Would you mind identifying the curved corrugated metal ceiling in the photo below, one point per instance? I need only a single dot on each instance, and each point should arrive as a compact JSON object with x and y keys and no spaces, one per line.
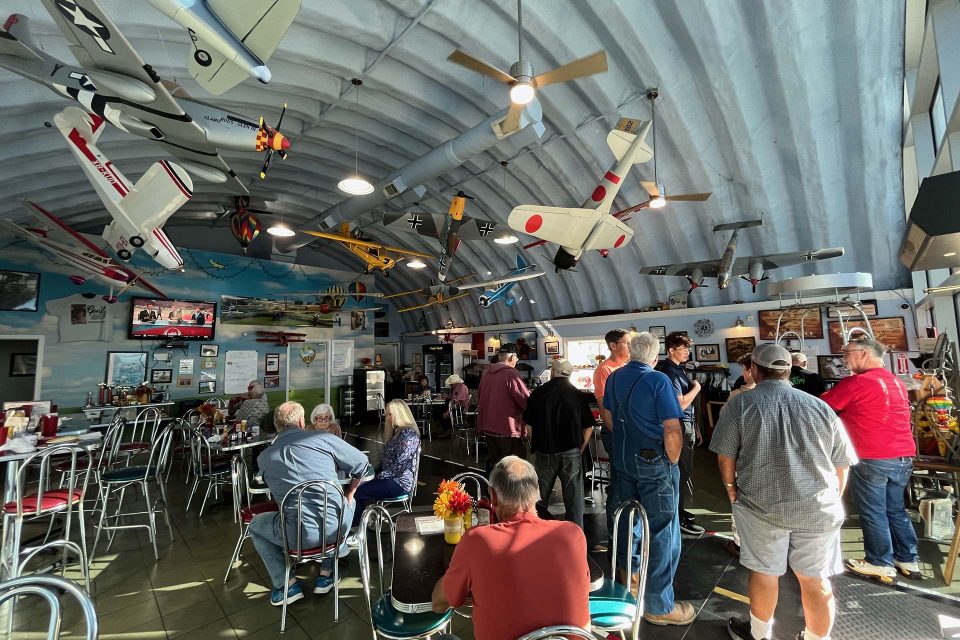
{"x":786,"y":109}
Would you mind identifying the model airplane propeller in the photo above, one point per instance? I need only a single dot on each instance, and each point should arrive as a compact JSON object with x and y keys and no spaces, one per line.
{"x":273,"y":140}
{"x":523,"y":84}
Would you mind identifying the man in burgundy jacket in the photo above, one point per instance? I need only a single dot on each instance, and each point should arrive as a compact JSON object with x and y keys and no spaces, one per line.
{"x":502,"y":401}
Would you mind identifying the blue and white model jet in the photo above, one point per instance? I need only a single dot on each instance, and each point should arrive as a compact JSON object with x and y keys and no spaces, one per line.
{"x":523,"y":271}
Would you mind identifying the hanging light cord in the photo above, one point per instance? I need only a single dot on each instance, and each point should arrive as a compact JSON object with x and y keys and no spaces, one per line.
{"x":356,"y":148}
{"x":653,"y":109}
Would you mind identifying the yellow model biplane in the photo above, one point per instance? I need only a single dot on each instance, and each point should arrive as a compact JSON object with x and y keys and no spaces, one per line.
{"x":376,"y":256}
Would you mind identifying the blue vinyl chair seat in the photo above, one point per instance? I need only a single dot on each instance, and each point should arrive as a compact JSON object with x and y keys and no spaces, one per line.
{"x":126,"y":474}
{"x":403,"y":497}
{"x":612,"y":605}
{"x":397,"y":624}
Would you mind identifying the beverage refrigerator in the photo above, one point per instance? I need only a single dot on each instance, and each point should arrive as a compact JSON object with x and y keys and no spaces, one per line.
{"x":367,"y":383}
{"x":437,"y":364}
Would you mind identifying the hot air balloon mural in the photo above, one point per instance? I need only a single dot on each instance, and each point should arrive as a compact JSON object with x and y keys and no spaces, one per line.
{"x":244,"y":225}
{"x":357,"y":289}
{"x":338,"y":295}
{"x":307,"y":354}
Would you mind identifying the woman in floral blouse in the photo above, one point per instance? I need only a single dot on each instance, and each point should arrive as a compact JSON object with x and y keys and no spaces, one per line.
{"x":400,"y":454}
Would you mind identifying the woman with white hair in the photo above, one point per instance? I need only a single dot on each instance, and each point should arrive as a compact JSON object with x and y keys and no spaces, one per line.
{"x":323,"y":419}
{"x":250,"y":406}
{"x":395,"y":475}
{"x":459,"y":394}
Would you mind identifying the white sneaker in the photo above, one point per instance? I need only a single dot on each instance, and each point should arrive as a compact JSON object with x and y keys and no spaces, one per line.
{"x":909,"y":570}
{"x":353,"y":540}
{"x":864,"y":568}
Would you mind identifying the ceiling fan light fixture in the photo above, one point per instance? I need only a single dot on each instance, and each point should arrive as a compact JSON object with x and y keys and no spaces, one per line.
{"x":355,"y":186}
{"x":507,"y":239}
{"x":416,"y":263}
{"x":281,"y":230}
{"x":522,"y":92}
{"x":658,"y":201}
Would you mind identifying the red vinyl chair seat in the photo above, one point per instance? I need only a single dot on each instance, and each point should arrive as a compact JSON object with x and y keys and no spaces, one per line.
{"x":134,"y":446}
{"x":52,"y":501}
{"x":314,"y":551}
{"x":247,"y":513}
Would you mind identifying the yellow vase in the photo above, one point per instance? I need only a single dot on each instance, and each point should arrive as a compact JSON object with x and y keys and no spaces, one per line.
{"x":452,"y":529}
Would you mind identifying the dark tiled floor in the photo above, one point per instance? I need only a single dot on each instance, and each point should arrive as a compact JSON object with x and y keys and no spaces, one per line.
{"x":183,"y":595}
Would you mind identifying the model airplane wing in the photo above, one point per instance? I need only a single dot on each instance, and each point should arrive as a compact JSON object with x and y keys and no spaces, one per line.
{"x":497,"y":282}
{"x":432,"y":302}
{"x":426,"y":224}
{"x":778,"y":260}
{"x":365,"y":243}
{"x":477,"y":229}
{"x":257,"y":24}
{"x":707,"y":268}
{"x":570,"y":227}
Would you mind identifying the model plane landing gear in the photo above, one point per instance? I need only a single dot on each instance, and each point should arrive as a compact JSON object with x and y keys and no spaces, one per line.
{"x":136,"y":241}
{"x":124,"y":254}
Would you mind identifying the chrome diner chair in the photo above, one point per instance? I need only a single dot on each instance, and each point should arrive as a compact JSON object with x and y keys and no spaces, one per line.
{"x":559,"y":632}
{"x":209,"y":465}
{"x":241,"y":488}
{"x":50,"y":588}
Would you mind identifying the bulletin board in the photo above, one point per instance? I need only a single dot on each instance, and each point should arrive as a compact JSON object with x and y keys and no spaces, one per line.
{"x":241,"y":367}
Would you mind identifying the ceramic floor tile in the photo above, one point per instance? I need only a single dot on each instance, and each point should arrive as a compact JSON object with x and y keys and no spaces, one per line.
{"x":174,"y":598}
{"x":217,"y":630}
{"x":193,"y":617}
{"x":347,"y":629}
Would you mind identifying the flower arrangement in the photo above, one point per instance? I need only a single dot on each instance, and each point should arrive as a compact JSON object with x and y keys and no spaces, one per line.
{"x":452,"y":500}
{"x":211,"y":411}
{"x":599,"y":358}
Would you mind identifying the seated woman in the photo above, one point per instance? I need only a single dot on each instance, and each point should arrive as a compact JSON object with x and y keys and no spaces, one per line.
{"x":459,"y":394}
{"x":250,"y":406}
{"x":395,"y":473}
{"x":323,"y":419}
{"x":423,"y":387}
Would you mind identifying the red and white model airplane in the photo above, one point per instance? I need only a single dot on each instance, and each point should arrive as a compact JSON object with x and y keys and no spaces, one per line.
{"x":55,"y":236}
{"x":590,"y":226}
{"x":139,"y":211}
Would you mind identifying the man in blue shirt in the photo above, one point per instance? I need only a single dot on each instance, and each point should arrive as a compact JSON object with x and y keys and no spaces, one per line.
{"x":641,"y":405}
{"x":294,"y":457}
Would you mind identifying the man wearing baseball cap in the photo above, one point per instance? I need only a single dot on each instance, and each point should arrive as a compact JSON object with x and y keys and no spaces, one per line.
{"x":500,"y":406}
{"x":784,"y":457}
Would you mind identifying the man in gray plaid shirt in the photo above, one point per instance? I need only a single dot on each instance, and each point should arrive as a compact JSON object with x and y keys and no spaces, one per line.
{"x":784,"y":457}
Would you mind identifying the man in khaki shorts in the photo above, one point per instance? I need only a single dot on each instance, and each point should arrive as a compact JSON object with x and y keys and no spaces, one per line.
{"x":784,"y":457}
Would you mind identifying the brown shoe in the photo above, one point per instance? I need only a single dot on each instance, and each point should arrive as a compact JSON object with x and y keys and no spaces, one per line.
{"x":683,"y":613}
{"x":634,"y":581}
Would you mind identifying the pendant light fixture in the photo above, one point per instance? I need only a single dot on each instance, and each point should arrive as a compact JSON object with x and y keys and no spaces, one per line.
{"x":356,"y":185}
{"x":658,"y":200}
{"x":280,"y":230}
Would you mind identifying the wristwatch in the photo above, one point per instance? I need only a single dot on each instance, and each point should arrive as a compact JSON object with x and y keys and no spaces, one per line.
{"x":730,"y":484}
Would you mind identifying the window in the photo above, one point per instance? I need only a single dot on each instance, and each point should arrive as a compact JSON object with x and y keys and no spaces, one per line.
{"x":938,"y":118}
{"x":583,"y":353}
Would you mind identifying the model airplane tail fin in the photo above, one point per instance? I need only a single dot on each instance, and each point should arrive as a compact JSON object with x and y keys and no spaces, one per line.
{"x":87,"y":125}
{"x":730,"y":226}
{"x":15,"y":38}
{"x":509,"y":301}
{"x":163,"y":189}
{"x":521,"y":263}
{"x":621,"y":140}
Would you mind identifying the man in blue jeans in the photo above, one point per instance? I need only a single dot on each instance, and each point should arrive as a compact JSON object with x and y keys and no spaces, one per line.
{"x":618,"y":341}
{"x":641,"y":405}
{"x":874,"y":407}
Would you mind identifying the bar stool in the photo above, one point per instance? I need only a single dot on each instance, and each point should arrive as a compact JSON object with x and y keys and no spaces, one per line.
{"x":406,"y":498}
{"x":144,"y":430}
{"x":49,"y":588}
{"x":560,"y":632}
{"x":458,"y":424}
{"x":425,"y":418}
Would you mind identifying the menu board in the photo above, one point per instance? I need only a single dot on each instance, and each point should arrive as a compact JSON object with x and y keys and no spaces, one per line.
{"x":240,"y":369}
{"x":889,"y":331}
{"x":342,"y":357}
{"x":790,"y":320}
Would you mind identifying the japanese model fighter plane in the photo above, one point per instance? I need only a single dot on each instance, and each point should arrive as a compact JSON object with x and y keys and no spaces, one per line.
{"x":52,"y":234}
{"x":117,"y":85}
{"x":138,"y":210}
{"x":449,"y":228}
{"x":232,"y":39}
{"x":375,"y":256}
{"x":750,"y":269}
{"x":590,"y":226}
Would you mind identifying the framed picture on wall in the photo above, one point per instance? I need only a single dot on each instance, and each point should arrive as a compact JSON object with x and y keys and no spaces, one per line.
{"x":209,"y":350}
{"x":271,"y":366}
{"x":19,"y":291}
{"x":739,"y":347}
{"x":126,"y":368}
{"x":525,"y":341}
{"x":659,"y":331}
{"x":161,"y":376}
{"x":184,"y":381}
{"x":417,"y":358}
{"x":832,"y":367}
{"x":378,"y":360}
{"x":208,"y":386}
{"x":663,"y":348}
{"x":23,"y":364}
{"x":805,"y":321}
{"x":889,"y":331}
{"x":271,"y":382}
{"x":551,"y":347}
{"x":707,"y":352}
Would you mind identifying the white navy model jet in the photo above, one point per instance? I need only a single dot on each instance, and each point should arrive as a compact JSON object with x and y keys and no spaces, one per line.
{"x":117,"y":85}
{"x":751,"y":268}
{"x":138,"y":210}
{"x":590,"y":226}
{"x":231,"y":39}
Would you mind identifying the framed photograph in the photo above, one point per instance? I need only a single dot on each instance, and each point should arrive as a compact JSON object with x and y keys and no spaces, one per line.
{"x":23,"y":364}
{"x":209,"y":350}
{"x":659,"y":331}
{"x":833,"y":367}
{"x":208,"y":386}
{"x":489,"y":349}
{"x":184,"y":381}
{"x":806,"y":322}
{"x":378,"y":360}
{"x":20,"y":291}
{"x":271,"y":382}
{"x":663,"y":348}
{"x":889,"y":331}
{"x":417,"y":358}
{"x":525,"y":341}
{"x":208,"y":374}
{"x":161,"y":376}
{"x":740,"y":346}
{"x":126,"y":368}
{"x":707,"y":352}
{"x":551,"y":348}
{"x":271,"y":366}
{"x":208,"y":363}
{"x":869,"y":307}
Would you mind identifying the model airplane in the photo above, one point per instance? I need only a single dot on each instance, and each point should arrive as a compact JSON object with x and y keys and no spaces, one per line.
{"x":449,"y":228}
{"x":435,"y":293}
{"x":375,"y":256}
{"x":503,"y":289}
{"x":750,"y":269}
{"x":139,"y":211}
{"x":280,"y":338}
{"x":117,"y":85}
{"x":589,"y":226}
{"x":334,"y":298}
{"x":231,"y":40}
{"x":55,"y":236}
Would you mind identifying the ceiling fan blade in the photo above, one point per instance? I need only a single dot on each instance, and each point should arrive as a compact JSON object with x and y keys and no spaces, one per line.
{"x":698,"y":197}
{"x":651,"y":188}
{"x":476,"y":64}
{"x":512,"y":122}
{"x":587,"y":66}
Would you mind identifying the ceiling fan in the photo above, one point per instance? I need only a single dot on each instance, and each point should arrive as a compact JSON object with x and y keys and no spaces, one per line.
{"x":523,"y":84}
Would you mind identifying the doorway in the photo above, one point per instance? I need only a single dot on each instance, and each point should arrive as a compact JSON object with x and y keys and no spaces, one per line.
{"x":21,"y":366}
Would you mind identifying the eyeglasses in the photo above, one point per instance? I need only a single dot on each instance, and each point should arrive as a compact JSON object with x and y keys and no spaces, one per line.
{"x":322,"y":419}
{"x":681,"y":348}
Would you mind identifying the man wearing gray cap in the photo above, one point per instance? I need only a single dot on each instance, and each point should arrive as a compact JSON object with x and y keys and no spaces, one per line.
{"x":784,"y":457}
{"x":562,"y":423}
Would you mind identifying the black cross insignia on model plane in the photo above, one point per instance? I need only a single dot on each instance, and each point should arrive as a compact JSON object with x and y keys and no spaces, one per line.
{"x":84,"y":81}
{"x":659,"y":271}
{"x":414,"y":221}
{"x":86,"y":22}
{"x":485,"y":227}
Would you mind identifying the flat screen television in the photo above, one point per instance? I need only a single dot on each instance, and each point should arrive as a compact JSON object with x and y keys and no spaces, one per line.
{"x":159,"y":319}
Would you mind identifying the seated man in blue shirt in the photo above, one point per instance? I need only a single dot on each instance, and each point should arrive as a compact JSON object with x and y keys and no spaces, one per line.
{"x":294,"y":457}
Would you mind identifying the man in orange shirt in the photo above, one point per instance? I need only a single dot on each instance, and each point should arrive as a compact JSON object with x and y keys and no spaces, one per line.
{"x":618,"y":341}
{"x":523,"y":573}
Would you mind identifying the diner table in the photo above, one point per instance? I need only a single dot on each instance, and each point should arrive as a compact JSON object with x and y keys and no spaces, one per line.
{"x":420,"y":560}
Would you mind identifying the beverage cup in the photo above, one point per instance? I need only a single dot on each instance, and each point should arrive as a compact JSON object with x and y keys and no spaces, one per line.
{"x":50,"y":422}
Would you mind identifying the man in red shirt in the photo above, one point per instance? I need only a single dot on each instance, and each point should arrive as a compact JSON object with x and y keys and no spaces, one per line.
{"x":500,"y":406}
{"x":618,"y":341}
{"x":523,"y":573}
{"x":873,"y":406}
